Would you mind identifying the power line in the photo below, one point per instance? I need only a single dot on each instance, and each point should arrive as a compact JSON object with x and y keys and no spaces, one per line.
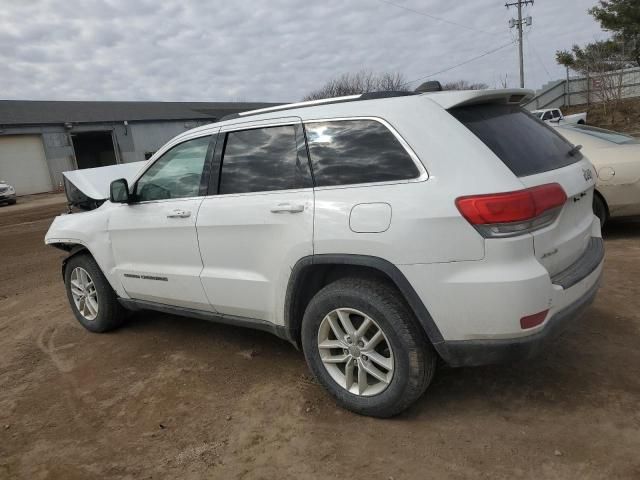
{"x":461,"y":63}
{"x":433,"y":17}
{"x":535,"y":52}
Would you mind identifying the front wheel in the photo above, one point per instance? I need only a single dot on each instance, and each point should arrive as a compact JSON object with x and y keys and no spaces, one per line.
{"x":93,"y":301}
{"x":365,"y":347}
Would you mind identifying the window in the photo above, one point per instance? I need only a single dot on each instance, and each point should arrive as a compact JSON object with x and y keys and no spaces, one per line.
{"x":556,"y":113}
{"x":546,"y":116}
{"x":357,"y":151}
{"x":176,"y":174}
{"x":264,"y":159}
{"x":524,"y":145}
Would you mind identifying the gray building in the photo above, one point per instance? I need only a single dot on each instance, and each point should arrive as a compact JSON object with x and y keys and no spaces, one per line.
{"x":41,"y":139}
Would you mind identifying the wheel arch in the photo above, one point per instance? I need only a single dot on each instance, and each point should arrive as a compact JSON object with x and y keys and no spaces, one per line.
{"x":596,"y":193}
{"x":77,"y":248}
{"x":312,"y":273}
{"x":73,"y":249}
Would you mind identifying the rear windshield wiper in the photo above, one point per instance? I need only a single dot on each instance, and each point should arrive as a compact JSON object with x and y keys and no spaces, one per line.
{"x":574,"y":151}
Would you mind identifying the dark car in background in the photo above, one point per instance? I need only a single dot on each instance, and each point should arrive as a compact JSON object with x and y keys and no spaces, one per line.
{"x":7,"y":193}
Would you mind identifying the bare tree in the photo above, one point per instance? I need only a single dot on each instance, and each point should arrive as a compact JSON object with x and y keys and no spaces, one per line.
{"x":360,"y":82}
{"x":503,"y":81}
{"x":464,"y":85}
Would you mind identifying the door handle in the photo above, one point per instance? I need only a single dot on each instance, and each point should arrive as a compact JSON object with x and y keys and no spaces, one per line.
{"x":288,"y":208}
{"x":179,"y":213}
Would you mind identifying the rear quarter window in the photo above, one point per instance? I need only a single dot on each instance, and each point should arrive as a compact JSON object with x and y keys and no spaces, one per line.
{"x":523,"y":143}
{"x":348,"y":152}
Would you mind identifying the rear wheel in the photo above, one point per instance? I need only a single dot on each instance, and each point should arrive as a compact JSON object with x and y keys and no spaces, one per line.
{"x":364,"y":346}
{"x":93,"y":301}
{"x":600,"y":209}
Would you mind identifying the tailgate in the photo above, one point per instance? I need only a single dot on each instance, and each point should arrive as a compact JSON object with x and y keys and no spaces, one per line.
{"x":538,"y":155}
{"x":564,"y":241}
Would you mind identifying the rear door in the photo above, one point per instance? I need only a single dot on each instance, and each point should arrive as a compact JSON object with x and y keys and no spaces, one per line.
{"x":258,"y":220}
{"x":154,"y":240}
{"x":538,"y":155}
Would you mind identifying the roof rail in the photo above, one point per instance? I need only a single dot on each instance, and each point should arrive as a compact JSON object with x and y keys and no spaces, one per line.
{"x":323,"y":101}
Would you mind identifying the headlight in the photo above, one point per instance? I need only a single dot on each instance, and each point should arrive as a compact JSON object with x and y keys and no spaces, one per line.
{"x":11,"y":189}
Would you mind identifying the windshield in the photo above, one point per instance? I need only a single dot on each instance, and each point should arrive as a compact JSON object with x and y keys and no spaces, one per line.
{"x":525,"y":145}
{"x":608,"y":135}
{"x":538,"y":114}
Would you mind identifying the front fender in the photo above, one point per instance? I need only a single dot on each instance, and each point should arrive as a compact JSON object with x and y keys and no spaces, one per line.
{"x":86,"y":231}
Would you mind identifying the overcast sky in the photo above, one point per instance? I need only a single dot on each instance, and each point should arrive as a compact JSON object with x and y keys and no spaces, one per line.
{"x":267,"y":50}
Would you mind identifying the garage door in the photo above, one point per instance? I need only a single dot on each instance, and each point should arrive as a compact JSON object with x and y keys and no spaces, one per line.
{"x":23,"y":164}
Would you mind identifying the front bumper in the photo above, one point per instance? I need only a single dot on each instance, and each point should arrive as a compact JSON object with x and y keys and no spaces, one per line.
{"x":485,"y":352}
{"x":6,"y":197}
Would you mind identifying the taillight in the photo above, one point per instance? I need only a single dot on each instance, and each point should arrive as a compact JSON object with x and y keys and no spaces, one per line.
{"x":513,"y":213}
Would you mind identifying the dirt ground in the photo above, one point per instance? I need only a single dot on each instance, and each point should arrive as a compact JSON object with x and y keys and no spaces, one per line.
{"x":169,"y":397}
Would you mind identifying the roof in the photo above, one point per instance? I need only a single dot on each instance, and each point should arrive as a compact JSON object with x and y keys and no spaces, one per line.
{"x":365,"y":106}
{"x":36,"y":112}
{"x":322,"y":101}
{"x":446,"y":99}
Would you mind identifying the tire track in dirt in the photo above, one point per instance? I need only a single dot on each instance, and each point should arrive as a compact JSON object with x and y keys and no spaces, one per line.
{"x":45,"y":341}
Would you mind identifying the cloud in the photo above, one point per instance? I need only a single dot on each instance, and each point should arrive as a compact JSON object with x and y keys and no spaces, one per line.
{"x":259,"y":50}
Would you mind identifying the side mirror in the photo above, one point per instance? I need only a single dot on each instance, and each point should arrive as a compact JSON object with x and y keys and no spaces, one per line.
{"x":119,"y":191}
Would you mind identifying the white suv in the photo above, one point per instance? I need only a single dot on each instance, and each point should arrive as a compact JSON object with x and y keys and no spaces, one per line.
{"x":377,"y":234}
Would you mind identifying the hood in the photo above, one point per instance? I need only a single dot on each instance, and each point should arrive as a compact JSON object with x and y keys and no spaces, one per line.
{"x":88,"y":188}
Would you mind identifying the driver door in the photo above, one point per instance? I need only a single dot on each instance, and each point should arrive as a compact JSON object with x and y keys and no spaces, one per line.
{"x":154,"y":240}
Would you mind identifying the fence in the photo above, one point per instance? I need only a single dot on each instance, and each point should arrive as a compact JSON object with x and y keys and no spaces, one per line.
{"x":582,"y":90}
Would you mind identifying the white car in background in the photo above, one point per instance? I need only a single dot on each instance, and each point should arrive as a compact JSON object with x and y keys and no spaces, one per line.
{"x":554,"y":115}
{"x":616,"y":158}
{"x":7,"y":193}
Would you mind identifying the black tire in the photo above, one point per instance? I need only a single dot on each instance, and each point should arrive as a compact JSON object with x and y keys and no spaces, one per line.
{"x":110,"y":313}
{"x":12,"y":202}
{"x":600,"y":209}
{"x":414,"y":357}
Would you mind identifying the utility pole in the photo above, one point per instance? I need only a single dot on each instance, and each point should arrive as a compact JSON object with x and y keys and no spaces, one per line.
{"x":519,"y":23}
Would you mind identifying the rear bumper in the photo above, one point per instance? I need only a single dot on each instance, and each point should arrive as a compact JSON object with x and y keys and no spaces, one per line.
{"x":485,"y":352}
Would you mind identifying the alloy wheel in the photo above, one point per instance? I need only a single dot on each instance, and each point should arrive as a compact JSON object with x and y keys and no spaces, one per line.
{"x":84,"y":293}
{"x":355,"y":351}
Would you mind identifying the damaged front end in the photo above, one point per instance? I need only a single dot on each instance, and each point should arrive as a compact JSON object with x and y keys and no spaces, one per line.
{"x":88,"y":188}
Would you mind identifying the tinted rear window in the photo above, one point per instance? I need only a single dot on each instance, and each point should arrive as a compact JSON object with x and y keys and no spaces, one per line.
{"x":525,"y":145}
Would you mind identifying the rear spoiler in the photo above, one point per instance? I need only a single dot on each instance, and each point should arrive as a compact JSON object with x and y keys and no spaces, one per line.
{"x":450,"y":99}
